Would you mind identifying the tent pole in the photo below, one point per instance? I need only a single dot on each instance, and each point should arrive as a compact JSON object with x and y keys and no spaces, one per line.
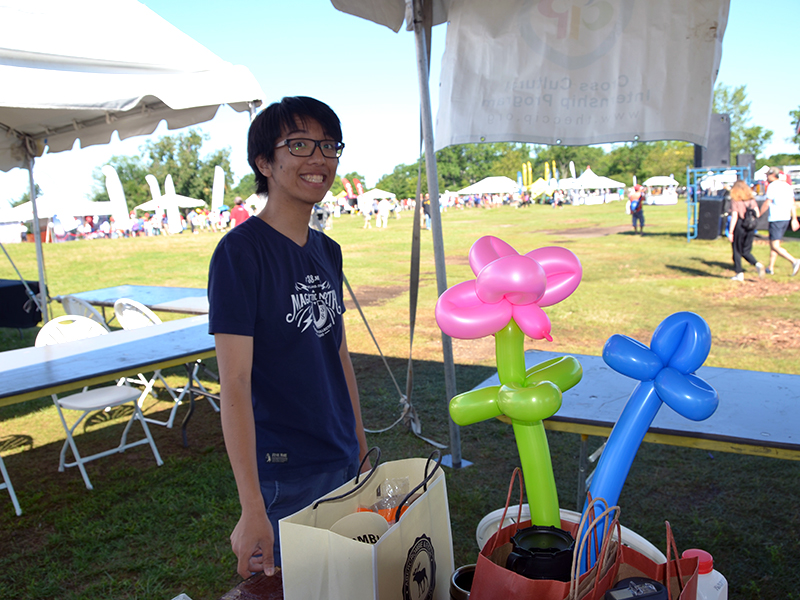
{"x":37,"y":239}
{"x":436,"y":221}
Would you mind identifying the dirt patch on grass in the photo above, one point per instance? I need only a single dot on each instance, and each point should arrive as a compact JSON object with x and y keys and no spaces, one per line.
{"x":753,"y":287}
{"x":369,"y":295}
{"x":780,"y":334}
{"x":586,"y":232}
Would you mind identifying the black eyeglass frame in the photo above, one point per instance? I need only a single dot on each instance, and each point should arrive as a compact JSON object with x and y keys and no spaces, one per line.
{"x":338,"y":147}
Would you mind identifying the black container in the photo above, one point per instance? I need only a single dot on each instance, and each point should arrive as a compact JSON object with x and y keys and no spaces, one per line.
{"x":461,"y":582}
{"x":637,"y":588}
{"x":542,"y":553}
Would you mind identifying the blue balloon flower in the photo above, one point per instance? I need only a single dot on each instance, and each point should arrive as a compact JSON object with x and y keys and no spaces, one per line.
{"x":665,"y":371}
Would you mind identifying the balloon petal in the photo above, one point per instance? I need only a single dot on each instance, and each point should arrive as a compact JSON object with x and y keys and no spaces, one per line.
{"x":682,"y":341}
{"x":631,"y":358}
{"x":518,"y":279}
{"x":475,"y":406}
{"x":563,"y":371}
{"x":529,"y":404}
{"x":533,"y":321}
{"x":688,"y":395}
{"x":488,"y":249}
{"x":563,"y":270}
{"x":461,"y":314}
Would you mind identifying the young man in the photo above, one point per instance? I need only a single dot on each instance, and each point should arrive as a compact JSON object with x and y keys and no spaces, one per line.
{"x":782,"y":214}
{"x":290,"y":409}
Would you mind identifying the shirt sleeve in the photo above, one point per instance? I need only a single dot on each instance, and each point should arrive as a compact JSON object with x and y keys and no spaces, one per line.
{"x":232,"y":288}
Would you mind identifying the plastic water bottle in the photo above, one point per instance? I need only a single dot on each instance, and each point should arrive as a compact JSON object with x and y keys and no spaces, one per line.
{"x":711,"y":585}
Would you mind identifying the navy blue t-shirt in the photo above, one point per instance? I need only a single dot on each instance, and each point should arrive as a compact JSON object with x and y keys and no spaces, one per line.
{"x":289,"y":300}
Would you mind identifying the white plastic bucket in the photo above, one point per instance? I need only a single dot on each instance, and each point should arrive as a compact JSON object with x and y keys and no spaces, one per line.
{"x":491,"y":523}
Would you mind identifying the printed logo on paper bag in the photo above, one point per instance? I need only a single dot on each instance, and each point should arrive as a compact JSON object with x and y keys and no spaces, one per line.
{"x":419,"y":574}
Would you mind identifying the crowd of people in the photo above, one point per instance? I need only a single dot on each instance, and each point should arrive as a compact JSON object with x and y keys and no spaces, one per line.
{"x":147,"y":224}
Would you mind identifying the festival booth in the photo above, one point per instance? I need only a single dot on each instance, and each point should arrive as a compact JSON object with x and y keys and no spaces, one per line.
{"x":599,"y":189}
{"x":661,"y":190}
{"x":496,"y":55}
{"x":491,"y":185}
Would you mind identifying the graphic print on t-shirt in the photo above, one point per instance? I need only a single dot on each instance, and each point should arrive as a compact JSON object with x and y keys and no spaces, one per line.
{"x":314,"y":303}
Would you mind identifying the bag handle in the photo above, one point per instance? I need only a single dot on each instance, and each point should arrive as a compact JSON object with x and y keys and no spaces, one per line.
{"x":609,"y":550}
{"x":423,"y":484}
{"x":358,"y":485}
{"x":517,"y":474}
{"x":672,"y":548}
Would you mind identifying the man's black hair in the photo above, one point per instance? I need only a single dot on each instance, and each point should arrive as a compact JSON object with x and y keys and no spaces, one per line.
{"x":266,"y":128}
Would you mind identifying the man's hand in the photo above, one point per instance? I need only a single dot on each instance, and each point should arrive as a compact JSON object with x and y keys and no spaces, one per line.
{"x":251,"y":541}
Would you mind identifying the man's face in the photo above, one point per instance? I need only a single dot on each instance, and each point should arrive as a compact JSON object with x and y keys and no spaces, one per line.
{"x":300,"y":178}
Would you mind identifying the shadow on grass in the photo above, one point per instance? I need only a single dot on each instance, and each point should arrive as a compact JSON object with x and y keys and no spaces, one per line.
{"x":711,"y":264}
{"x":15,"y":442}
{"x":660,"y":234}
{"x":191,"y":506}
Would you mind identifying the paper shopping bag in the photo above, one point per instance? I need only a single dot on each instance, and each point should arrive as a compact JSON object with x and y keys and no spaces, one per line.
{"x":493,"y":581}
{"x":413,"y":560}
{"x":678,"y":574}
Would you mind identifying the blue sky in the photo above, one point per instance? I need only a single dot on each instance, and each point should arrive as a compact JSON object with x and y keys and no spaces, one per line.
{"x":367,"y":73}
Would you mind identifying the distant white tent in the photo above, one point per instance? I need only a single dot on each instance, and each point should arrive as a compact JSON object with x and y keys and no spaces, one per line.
{"x":568,"y":183}
{"x":375,"y":194}
{"x":51,"y":205}
{"x":491,"y":185}
{"x":660,"y":181}
{"x":665,"y":190}
{"x":761,"y":174}
{"x":589,"y":180}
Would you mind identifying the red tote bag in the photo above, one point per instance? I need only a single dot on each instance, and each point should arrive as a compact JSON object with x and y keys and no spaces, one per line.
{"x":492,"y":581}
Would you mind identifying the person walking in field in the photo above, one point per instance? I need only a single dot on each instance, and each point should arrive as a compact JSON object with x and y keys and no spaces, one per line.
{"x":782,"y":215}
{"x":742,"y":239}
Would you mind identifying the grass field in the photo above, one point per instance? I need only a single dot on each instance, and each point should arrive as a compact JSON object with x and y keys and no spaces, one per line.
{"x":152,"y":533}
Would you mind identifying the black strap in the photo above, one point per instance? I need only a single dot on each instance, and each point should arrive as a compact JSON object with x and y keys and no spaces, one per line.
{"x":423,"y":484}
{"x":358,"y":485}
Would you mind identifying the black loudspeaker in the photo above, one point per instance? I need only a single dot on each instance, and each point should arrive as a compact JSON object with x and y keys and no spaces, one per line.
{"x":718,"y":151}
{"x":747,"y":160}
{"x":709,"y":219}
{"x":13,"y":301}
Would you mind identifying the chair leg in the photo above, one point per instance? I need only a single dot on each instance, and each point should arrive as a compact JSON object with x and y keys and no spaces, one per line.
{"x":8,"y":486}
{"x":71,"y":442}
{"x":196,"y":380}
{"x":137,"y":414}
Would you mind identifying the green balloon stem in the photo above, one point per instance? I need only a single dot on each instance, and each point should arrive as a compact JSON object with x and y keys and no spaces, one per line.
{"x":537,"y":469}
{"x":509,"y":344}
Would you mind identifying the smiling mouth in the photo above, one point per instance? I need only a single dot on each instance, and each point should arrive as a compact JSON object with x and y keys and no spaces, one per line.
{"x":313,"y":178}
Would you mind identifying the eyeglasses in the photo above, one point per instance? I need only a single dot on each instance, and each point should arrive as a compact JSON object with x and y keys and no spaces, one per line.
{"x":305,"y":147}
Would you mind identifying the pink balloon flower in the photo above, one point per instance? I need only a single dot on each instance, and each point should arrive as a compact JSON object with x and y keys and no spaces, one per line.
{"x":509,"y":286}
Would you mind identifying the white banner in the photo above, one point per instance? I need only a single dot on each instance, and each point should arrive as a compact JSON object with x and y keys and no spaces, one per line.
{"x":578,"y":72}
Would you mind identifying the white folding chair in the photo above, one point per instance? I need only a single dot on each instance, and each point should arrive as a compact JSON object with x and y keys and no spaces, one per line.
{"x":77,"y":306}
{"x":133,"y":315}
{"x":74,"y":327}
{"x":6,"y":485}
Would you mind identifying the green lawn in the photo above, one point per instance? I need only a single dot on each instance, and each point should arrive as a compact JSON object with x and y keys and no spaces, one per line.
{"x":151,"y":533}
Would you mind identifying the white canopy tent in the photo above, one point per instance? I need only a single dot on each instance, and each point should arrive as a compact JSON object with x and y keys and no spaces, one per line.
{"x":82,"y":70}
{"x":491,"y":185}
{"x":376,"y":194}
{"x":660,"y":181}
{"x":661,"y":190}
{"x":51,"y":206}
{"x":589,"y":180}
